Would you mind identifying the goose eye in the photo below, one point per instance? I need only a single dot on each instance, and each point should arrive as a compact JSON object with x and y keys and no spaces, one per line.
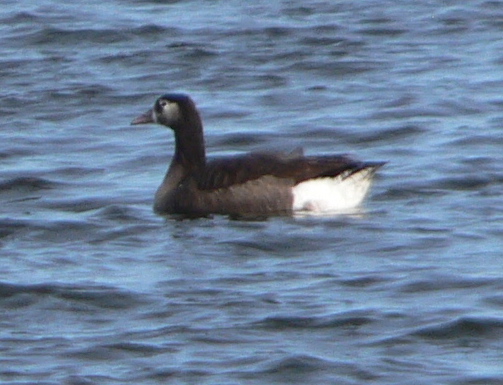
{"x":163,"y":103}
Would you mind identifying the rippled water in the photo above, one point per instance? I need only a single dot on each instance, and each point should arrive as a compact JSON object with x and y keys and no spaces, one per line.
{"x":97,"y":289}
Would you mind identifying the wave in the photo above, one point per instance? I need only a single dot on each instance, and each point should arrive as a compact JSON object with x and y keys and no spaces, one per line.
{"x":105,"y":297}
{"x":463,"y":328}
{"x":27,"y":184}
{"x":346,"y":320}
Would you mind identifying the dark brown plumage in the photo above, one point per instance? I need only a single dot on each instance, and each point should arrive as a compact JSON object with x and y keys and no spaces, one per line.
{"x":251,"y":184}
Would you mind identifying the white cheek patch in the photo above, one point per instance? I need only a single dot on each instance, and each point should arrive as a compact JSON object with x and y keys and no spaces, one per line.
{"x":172,"y":112}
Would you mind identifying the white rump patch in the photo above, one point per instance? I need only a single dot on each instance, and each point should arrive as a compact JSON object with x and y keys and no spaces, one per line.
{"x":335,"y":194}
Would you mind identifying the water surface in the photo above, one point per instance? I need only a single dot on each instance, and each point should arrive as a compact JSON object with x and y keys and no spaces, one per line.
{"x":97,"y":289}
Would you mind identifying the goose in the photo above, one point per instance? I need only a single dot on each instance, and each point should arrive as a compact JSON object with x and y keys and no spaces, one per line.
{"x":259,"y":183}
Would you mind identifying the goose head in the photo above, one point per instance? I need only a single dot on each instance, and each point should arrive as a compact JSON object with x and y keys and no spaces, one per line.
{"x":179,"y":112}
{"x":169,"y":110}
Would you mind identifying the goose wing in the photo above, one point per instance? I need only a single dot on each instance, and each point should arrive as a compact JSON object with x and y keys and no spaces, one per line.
{"x":230,"y":171}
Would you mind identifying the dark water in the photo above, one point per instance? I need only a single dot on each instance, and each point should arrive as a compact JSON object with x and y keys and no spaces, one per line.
{"x":96,"y":289}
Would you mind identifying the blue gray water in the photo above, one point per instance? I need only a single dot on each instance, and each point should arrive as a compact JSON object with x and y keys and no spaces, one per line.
{"x":97,"y":289}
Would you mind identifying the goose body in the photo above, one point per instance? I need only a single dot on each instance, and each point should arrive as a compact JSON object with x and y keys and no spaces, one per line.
{"x":250,"y":184}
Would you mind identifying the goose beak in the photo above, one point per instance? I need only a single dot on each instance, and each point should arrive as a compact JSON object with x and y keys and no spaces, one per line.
{"x":147,"y":117}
